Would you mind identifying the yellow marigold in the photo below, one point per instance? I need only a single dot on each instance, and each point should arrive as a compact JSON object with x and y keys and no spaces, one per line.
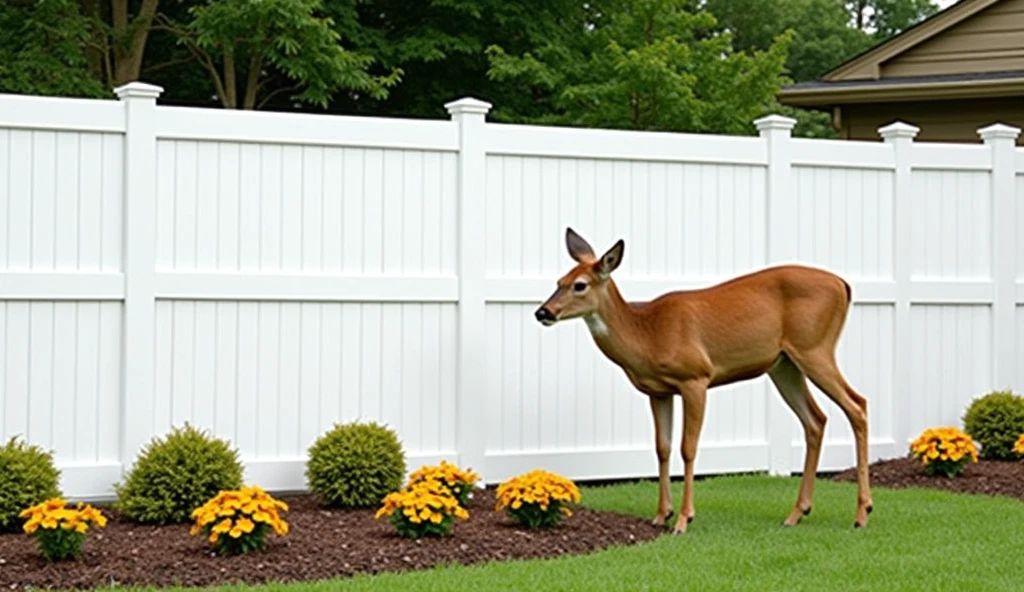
{"x":55,"y":514}
{"x":1018,"y":446}
{"x":237,"y":513}
{"x":421,"y":502}
{"x":945,"y":444}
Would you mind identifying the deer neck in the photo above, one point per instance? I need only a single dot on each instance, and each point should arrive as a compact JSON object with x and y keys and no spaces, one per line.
{"x":614,"y":325}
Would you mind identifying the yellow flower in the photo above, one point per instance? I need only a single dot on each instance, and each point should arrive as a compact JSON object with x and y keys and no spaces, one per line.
{"x":1018,"y":446}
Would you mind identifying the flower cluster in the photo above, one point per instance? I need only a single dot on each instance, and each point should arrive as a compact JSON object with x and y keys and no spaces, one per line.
{"x":944,"y":450}
{"x":1018,"y":446}
{"x":460,"y":482}
{"x":423,"y":508}
{"x":60,"y":530}
{"x":538,"y":498}
{"x":237,"y":521}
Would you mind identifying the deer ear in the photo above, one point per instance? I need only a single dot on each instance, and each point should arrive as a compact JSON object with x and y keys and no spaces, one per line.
{"x":610,"y":260}
{"x":579,"y":249}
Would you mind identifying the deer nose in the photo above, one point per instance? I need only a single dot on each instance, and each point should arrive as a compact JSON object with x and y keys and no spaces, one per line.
{"x":544,"y":314}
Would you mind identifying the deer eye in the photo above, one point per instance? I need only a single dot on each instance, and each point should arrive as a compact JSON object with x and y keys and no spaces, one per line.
{"x":579,"y":286}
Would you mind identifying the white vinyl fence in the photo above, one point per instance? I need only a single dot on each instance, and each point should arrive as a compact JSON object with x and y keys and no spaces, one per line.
{"x":265,"y":275}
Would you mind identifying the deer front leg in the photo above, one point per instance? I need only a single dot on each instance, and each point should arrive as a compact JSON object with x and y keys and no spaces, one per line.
{"x":694,"y":396}
{"x":661,"y":409}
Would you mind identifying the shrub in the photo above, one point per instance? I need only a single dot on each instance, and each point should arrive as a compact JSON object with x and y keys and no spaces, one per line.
{"x":238,"y":521}
{"x":458,"y":481}
{"x":994,"y":421}
{"x":355,"y":465}
{"x":59,"y":530}
{"x":173,"y":476}
{"x":27,"y":477}
{"x":944,"y":451}
{"x":538,"y":498}
{"x":424,"y":508}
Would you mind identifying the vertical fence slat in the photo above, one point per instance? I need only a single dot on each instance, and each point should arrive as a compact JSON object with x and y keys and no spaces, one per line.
{"x":471,"y":183}
{"x":1001,"y":139}
{"x":901,"y":136}
{"x":776,"y":131}
{"x":139,"y":247}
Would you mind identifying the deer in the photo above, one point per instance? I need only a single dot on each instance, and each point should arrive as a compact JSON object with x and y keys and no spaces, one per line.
{"x":784,"y":321}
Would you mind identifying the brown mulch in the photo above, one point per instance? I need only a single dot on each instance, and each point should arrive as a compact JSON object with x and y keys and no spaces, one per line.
{"x":331,"y":543}
{"x":321,"y":544}
{"x":986,"y":477}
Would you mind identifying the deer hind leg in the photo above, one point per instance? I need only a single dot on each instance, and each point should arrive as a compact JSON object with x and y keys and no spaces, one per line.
{"x":820,"y":366}
{"x":661,"y":409}
{"x":792,"y":385}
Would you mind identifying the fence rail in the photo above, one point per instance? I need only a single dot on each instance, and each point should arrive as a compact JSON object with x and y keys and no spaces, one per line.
{"x":265,"y":275}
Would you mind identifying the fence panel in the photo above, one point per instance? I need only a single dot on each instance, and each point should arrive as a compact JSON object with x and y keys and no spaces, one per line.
{"x":266,"y":275}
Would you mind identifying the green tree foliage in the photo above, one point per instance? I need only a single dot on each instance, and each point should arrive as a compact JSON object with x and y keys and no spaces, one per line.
{"x":822,"y":35}
{"x":41,"y":49}
{"x":440,"y":44}
{"x":647,"y":64}
{"x":237,"y":40}
{"x":885,"y":18}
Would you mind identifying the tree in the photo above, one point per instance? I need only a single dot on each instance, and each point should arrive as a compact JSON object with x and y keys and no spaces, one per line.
{"x":885,"y":18}
{"x":41,"y":49}
{"x":440,"y":47}
{"x":236,"y":40}
{"x":118,"y":33}
{"x":822,"y":35}
{"x":646,"y":64}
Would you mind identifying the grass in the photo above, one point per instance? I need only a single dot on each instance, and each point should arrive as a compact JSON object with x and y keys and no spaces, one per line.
{"x":916,"y":540}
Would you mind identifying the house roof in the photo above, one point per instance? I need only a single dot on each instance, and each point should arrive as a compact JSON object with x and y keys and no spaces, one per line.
{"x":906,"y":88}
{"x":859,"y":78}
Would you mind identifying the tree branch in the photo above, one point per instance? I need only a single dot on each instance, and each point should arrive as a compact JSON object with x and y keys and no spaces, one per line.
{"x":276,"y":92}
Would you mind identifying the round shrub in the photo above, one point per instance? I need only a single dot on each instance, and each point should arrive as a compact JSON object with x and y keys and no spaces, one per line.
{"x":995,"y":421}
{"x":355,"y":465}
{"x":28,"y":477}
{"x":174,"y":476}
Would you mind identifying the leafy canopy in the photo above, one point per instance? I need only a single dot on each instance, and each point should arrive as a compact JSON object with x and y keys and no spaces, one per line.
{"x":647,"y":65}
{"x":236,"y":38}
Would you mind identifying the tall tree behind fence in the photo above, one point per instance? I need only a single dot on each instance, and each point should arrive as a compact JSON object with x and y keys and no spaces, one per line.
{"x":266,"y":275}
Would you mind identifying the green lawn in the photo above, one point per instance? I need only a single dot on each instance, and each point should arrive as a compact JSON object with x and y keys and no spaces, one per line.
{"x":916,"y":540}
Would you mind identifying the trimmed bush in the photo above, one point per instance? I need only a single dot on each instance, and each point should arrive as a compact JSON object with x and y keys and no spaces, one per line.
{"x":995,"y":421}
{"x":28,"y":477}
{"x":355,"y":465}
{"x":174,"y":476}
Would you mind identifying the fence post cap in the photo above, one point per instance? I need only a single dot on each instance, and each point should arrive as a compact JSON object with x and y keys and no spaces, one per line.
{"x":898,"y":129}
{"x":468,"y":105}
{"x":138,"y":90}
{"x":999,"y":131}
{"x":775,"y":122}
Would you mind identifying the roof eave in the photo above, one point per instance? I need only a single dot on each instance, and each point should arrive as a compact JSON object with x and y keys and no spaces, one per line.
{"x":824,"y":97}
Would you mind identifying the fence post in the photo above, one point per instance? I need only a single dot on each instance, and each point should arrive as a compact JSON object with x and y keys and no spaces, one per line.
{"x":471,"y":420}
{"x":776,"y":131}
{"x":901,"y":136}
{"x":138,"y":252}
{"x":1001,"y":140}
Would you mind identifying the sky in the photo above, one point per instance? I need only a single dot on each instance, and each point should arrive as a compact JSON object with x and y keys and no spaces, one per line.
{"x":945,"y":3}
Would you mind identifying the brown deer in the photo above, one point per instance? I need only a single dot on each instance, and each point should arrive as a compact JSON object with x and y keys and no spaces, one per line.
{"x":783,"y":321}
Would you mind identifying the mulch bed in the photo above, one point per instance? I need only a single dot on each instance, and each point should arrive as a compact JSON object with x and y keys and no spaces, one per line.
{"x":321,"y":544}
{"x":986,"y":477}
{"x":330,"y":543}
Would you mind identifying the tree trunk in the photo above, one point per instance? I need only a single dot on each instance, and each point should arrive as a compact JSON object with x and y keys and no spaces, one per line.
{"x":252,"y":84}
{"x":97,"y":49}
{"x":230,"y":97}
{"x":130,"y":39}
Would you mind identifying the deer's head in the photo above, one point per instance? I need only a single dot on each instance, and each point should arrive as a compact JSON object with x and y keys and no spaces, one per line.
{"x":580,"y":290}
